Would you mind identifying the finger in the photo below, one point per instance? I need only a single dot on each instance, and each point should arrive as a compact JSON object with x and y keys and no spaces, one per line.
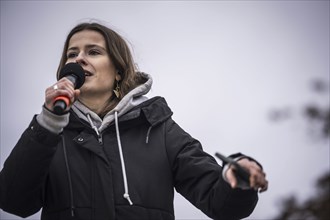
{"x":254,"y":178}
{"x":231,"y":178}
{"x":59,"y":89}
{"x":263,"y":183}
{"x":50,"y":95}
{"x":264,"y":187}
{"x":72,"y":94}
{"x":76,"y":93}
{"x":259,"y":182}
{"x":67,"y":81}
{"x":248,"y":164}
{"x":66,"y":85}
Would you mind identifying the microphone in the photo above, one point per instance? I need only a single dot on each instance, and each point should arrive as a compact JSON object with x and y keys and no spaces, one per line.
{"x":76,"y":74}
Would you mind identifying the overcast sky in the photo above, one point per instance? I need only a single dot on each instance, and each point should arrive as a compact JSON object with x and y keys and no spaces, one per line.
{"x":221,"y":65}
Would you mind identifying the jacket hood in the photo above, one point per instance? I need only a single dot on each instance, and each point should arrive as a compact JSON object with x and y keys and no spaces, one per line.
{"x":129,"y":101}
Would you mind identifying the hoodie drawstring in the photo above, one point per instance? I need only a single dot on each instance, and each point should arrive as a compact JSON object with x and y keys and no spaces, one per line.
{"x":99,"y":136}
{"x":126,"y":195}
{"x":69,"y":176}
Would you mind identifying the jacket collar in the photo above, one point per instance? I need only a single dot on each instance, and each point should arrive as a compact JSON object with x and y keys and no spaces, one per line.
{"x":155,"y":111}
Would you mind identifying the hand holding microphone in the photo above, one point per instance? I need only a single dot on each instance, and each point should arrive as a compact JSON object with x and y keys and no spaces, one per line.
{"x":244,"y":174}
{"x":60,"y":96}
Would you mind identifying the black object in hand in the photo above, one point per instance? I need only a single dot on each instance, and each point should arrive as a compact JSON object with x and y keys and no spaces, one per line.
{"x":76,"y":74}
{"x":241,"y":173}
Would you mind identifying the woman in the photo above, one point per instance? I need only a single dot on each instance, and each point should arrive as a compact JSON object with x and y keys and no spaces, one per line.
{"x":114,"y":154}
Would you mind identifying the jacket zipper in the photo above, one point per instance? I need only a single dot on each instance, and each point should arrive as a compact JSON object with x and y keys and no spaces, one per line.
{"x":69,"y":176}
{"x":100,"y":138}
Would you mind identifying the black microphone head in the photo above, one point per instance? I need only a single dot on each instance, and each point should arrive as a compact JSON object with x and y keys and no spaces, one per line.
{"x":75,"y":70}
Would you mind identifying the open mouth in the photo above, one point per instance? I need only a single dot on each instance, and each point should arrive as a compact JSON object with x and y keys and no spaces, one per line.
{"x":87,"y":74}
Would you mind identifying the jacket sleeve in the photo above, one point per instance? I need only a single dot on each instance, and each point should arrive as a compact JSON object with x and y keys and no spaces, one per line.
{"x":23,"y":176}
{"x":198,"y":177}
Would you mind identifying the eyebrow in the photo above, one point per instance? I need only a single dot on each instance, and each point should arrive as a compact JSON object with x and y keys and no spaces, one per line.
{"x":88,"y":47}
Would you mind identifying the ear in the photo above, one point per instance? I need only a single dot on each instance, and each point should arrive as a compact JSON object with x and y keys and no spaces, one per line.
{"x":118,"y":76}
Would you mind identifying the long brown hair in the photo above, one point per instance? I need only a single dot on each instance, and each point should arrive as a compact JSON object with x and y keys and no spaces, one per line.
{"x":120,"y":55}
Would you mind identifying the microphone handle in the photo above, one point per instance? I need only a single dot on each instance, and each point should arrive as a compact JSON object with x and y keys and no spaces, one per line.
{"x":73,"y":79}
{"x":60,"y":104}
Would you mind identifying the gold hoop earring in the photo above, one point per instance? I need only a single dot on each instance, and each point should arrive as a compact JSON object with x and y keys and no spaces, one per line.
{"x":117,"y":90}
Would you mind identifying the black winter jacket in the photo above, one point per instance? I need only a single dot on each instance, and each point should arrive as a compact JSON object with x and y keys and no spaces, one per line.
{"x":76,"y":175}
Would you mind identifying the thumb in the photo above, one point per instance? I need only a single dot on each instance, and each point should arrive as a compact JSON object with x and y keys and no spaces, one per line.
{"x":231,"y":178}
{"x":76,"y":94}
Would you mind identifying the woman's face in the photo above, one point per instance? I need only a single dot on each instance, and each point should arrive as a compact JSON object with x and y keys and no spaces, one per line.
{"x":88,"y":48}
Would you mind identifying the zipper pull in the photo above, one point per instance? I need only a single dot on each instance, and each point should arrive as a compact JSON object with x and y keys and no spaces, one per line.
{"x":100,"y":138}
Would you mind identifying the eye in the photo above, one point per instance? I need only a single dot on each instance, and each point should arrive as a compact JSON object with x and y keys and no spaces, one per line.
{"x":94,"y":52}
{"x":71,"y":55}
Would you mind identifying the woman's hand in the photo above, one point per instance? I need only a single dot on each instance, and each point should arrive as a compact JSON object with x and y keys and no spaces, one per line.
{"x":257,"y":176}
{"x":63,"y":87}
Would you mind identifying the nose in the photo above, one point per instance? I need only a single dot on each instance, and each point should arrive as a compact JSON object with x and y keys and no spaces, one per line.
{"x":80,"y":59}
